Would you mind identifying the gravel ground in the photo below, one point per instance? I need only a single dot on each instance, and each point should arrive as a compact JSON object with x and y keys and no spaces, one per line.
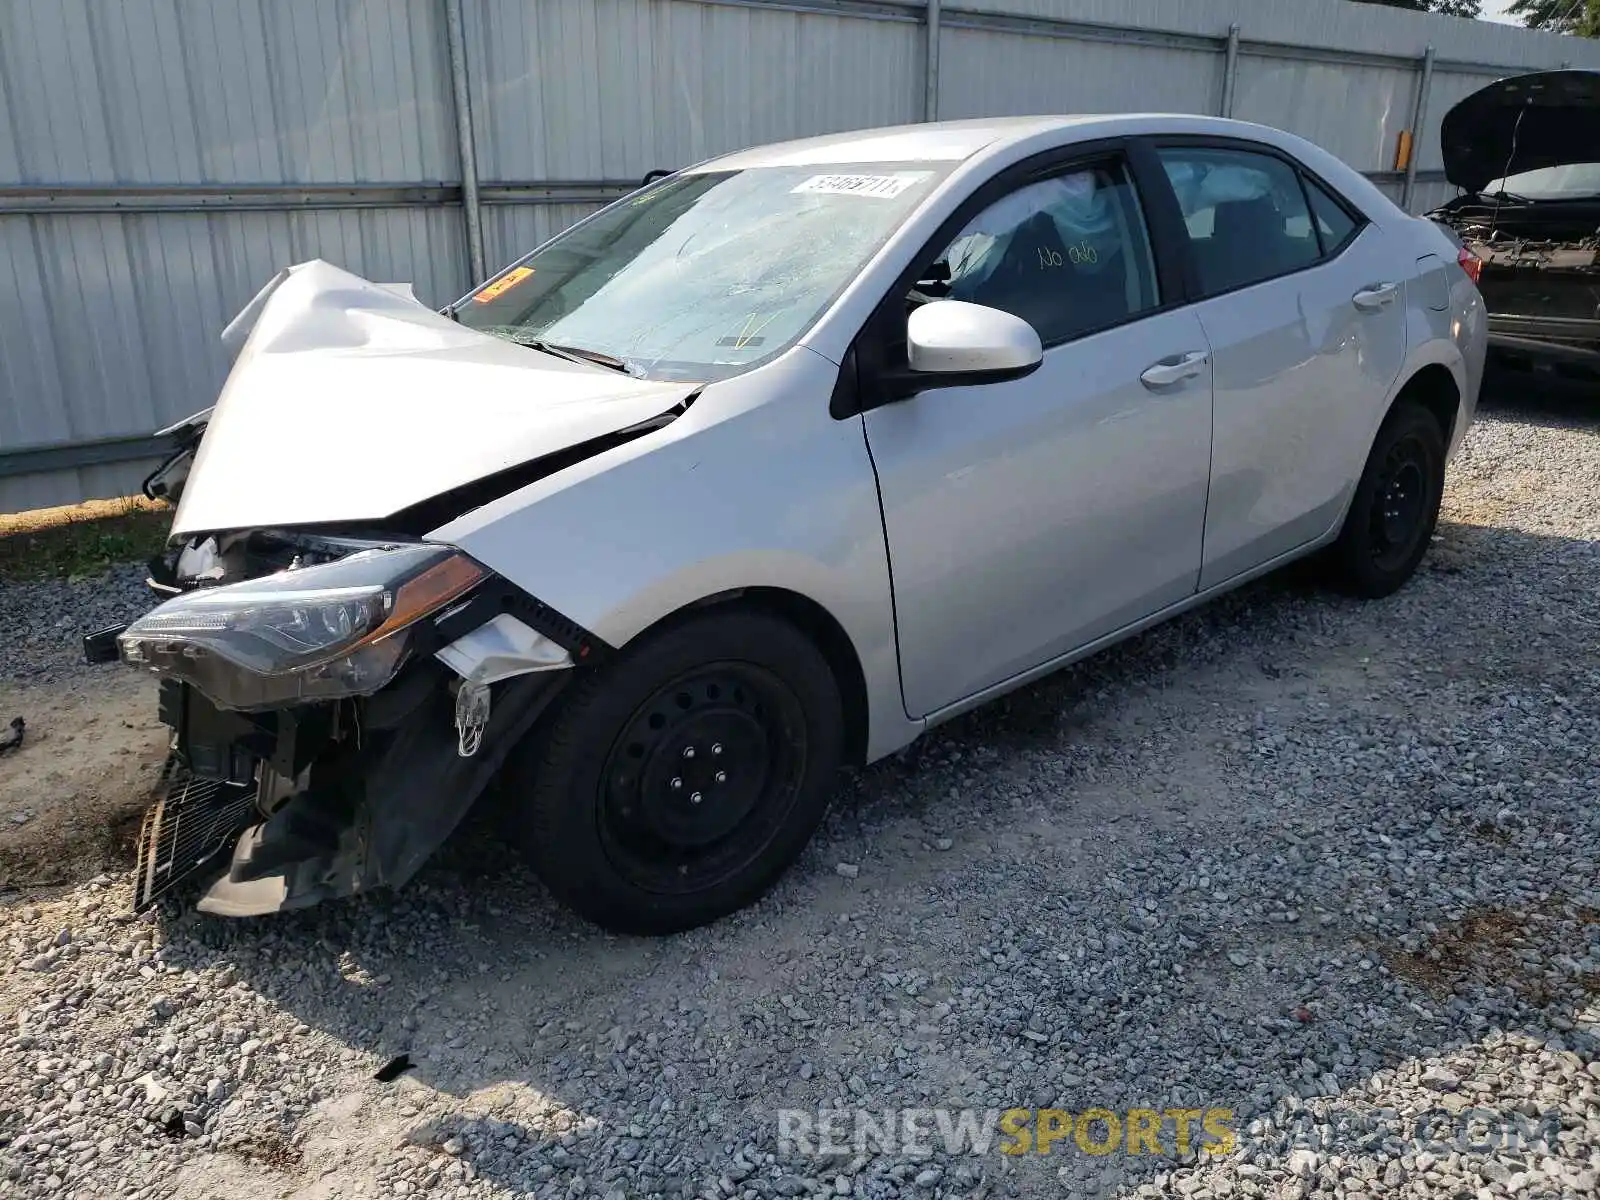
{"x":1330,"y":866}
{"x":42,"y":623}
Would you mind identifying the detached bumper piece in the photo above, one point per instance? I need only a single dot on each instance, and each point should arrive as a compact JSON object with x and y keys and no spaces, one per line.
{"x":101,"y":645}
{"x":186,"y":830}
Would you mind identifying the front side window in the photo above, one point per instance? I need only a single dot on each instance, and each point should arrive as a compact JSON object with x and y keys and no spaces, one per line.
{"x":1245,"y":213}
{"x":704,"y":275}
{"x":1068,"y":254}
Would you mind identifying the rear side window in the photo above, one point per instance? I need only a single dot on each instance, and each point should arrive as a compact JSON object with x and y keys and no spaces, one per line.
{"x":1246,"y":215}
{"x":1334,"y":225}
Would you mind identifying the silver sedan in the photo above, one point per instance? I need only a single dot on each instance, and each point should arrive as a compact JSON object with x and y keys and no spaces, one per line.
{"x":768,"y":467}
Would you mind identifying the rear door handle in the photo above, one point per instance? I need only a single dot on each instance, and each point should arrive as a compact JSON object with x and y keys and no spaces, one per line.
{"x":1175,"y":368}
{"x":1375,"y":296}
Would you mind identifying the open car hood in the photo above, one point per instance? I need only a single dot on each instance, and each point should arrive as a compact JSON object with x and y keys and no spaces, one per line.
{"x":1559,"y":114}
{"x":350,"y":401}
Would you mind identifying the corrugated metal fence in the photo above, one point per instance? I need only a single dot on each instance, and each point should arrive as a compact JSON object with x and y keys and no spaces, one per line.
{"x":161,"y":159}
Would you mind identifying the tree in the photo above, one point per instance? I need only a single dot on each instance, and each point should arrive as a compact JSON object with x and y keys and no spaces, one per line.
{"x":1446,"y":8}
{"x":1581,"y":17}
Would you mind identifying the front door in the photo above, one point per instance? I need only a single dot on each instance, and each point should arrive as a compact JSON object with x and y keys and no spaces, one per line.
{"x":1027,"y":518}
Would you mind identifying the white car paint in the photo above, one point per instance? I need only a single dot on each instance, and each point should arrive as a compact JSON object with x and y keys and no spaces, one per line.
{"x":374,"y":404}
{"x":349,"y":401}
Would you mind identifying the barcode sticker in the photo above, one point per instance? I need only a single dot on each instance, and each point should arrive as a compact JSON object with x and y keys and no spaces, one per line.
{"x":881,"y":187}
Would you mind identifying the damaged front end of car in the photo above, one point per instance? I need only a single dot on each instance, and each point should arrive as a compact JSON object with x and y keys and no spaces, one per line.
{"x":337,"y":704}
{"x":1526,"y":153}
{"x":339,"y":688}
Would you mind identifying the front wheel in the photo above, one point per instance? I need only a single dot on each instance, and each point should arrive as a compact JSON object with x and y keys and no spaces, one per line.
{"x":678,"y":781}
{"x":1395,"y":507}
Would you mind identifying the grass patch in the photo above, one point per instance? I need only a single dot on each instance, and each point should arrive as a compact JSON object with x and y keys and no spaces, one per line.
{"x":81,"y":539}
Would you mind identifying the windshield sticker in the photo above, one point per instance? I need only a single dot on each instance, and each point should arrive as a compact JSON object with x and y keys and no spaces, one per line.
{"x":881,"y":187}
{"x":502,"y":285}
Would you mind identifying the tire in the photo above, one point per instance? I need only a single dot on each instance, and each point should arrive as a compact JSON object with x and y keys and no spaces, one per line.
{"x":1395,"y":508}
{"x":641,"y":837}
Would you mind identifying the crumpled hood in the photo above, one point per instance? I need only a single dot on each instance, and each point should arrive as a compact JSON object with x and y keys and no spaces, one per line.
{"x":350,"y":401}
{"x":1559,"y":113}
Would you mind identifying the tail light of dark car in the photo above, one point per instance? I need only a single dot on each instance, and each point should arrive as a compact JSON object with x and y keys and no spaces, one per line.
{"x":1470,"y":263}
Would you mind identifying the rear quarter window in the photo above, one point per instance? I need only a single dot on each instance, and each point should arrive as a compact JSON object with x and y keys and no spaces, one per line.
{"x":1335,"y":225}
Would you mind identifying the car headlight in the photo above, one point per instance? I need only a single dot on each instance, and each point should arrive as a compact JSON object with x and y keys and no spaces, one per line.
{"x":309,"y":633}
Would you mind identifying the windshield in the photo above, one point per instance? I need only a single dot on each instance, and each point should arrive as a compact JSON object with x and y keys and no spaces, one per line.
{"x":1568,"y":182}
{"x":703,"y":276}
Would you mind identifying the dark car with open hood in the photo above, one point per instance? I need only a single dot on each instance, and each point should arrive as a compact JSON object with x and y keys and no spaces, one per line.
{"x":1526,"y":153}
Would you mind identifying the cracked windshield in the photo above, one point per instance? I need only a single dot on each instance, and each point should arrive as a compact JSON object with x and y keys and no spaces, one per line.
{"x":705,"y":275}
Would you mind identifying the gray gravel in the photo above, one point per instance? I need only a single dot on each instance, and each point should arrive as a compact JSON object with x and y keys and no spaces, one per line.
{"x":1332,"y":866}
{"x":42,"y":623}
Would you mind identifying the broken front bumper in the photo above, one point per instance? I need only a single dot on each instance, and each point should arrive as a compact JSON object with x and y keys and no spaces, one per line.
{"x":328,"y":793}
{"x":290,"y":808}
{"x":224,"y":772}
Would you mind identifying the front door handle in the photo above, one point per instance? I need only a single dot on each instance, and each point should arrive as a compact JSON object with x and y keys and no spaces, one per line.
{"x":1175,"y":368}
{"x":1375,"y":296}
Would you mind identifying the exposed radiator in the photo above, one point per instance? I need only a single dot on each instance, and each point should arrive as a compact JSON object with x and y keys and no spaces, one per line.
{"x":193,"y":823}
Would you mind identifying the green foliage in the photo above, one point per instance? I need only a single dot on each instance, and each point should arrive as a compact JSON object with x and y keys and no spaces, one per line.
{"x":76,"y":548}
{"x":1580,"y":17}
{"x":1447,"y":8}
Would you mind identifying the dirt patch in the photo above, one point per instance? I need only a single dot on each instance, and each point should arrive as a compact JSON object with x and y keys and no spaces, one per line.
{"x":1515,"y":947}
{"x":269,"y":1150}
{"x":72,"y":794}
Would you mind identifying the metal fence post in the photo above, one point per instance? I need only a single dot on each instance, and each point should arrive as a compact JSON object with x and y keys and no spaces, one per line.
{"x":1419,"y":115}
{"x":1230,"y":70}
{"x":930,"y":71}
{"x":465,"y":145}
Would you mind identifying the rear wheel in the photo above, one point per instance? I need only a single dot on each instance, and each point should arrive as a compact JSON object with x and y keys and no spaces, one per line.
{"x":679,"y":781}
{"x":1395,"y":508}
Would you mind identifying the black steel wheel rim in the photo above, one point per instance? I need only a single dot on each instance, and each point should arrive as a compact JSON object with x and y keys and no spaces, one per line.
{"x":1399,"y":503}
{"x":701,"y":778}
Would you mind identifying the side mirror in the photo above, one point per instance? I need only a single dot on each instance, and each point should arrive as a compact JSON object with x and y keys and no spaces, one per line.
{"x":951,"y":343}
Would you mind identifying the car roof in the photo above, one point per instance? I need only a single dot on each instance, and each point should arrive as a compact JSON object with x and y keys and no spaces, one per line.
{"x":953,"y":141}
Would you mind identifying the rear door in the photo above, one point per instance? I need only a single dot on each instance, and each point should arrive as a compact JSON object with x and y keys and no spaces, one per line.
{"x":1303,"y":305}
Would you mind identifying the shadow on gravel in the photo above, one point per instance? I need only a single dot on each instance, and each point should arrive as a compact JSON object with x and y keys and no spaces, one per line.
{"x":1064,"y":946}
{"x":1539,"y":400}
